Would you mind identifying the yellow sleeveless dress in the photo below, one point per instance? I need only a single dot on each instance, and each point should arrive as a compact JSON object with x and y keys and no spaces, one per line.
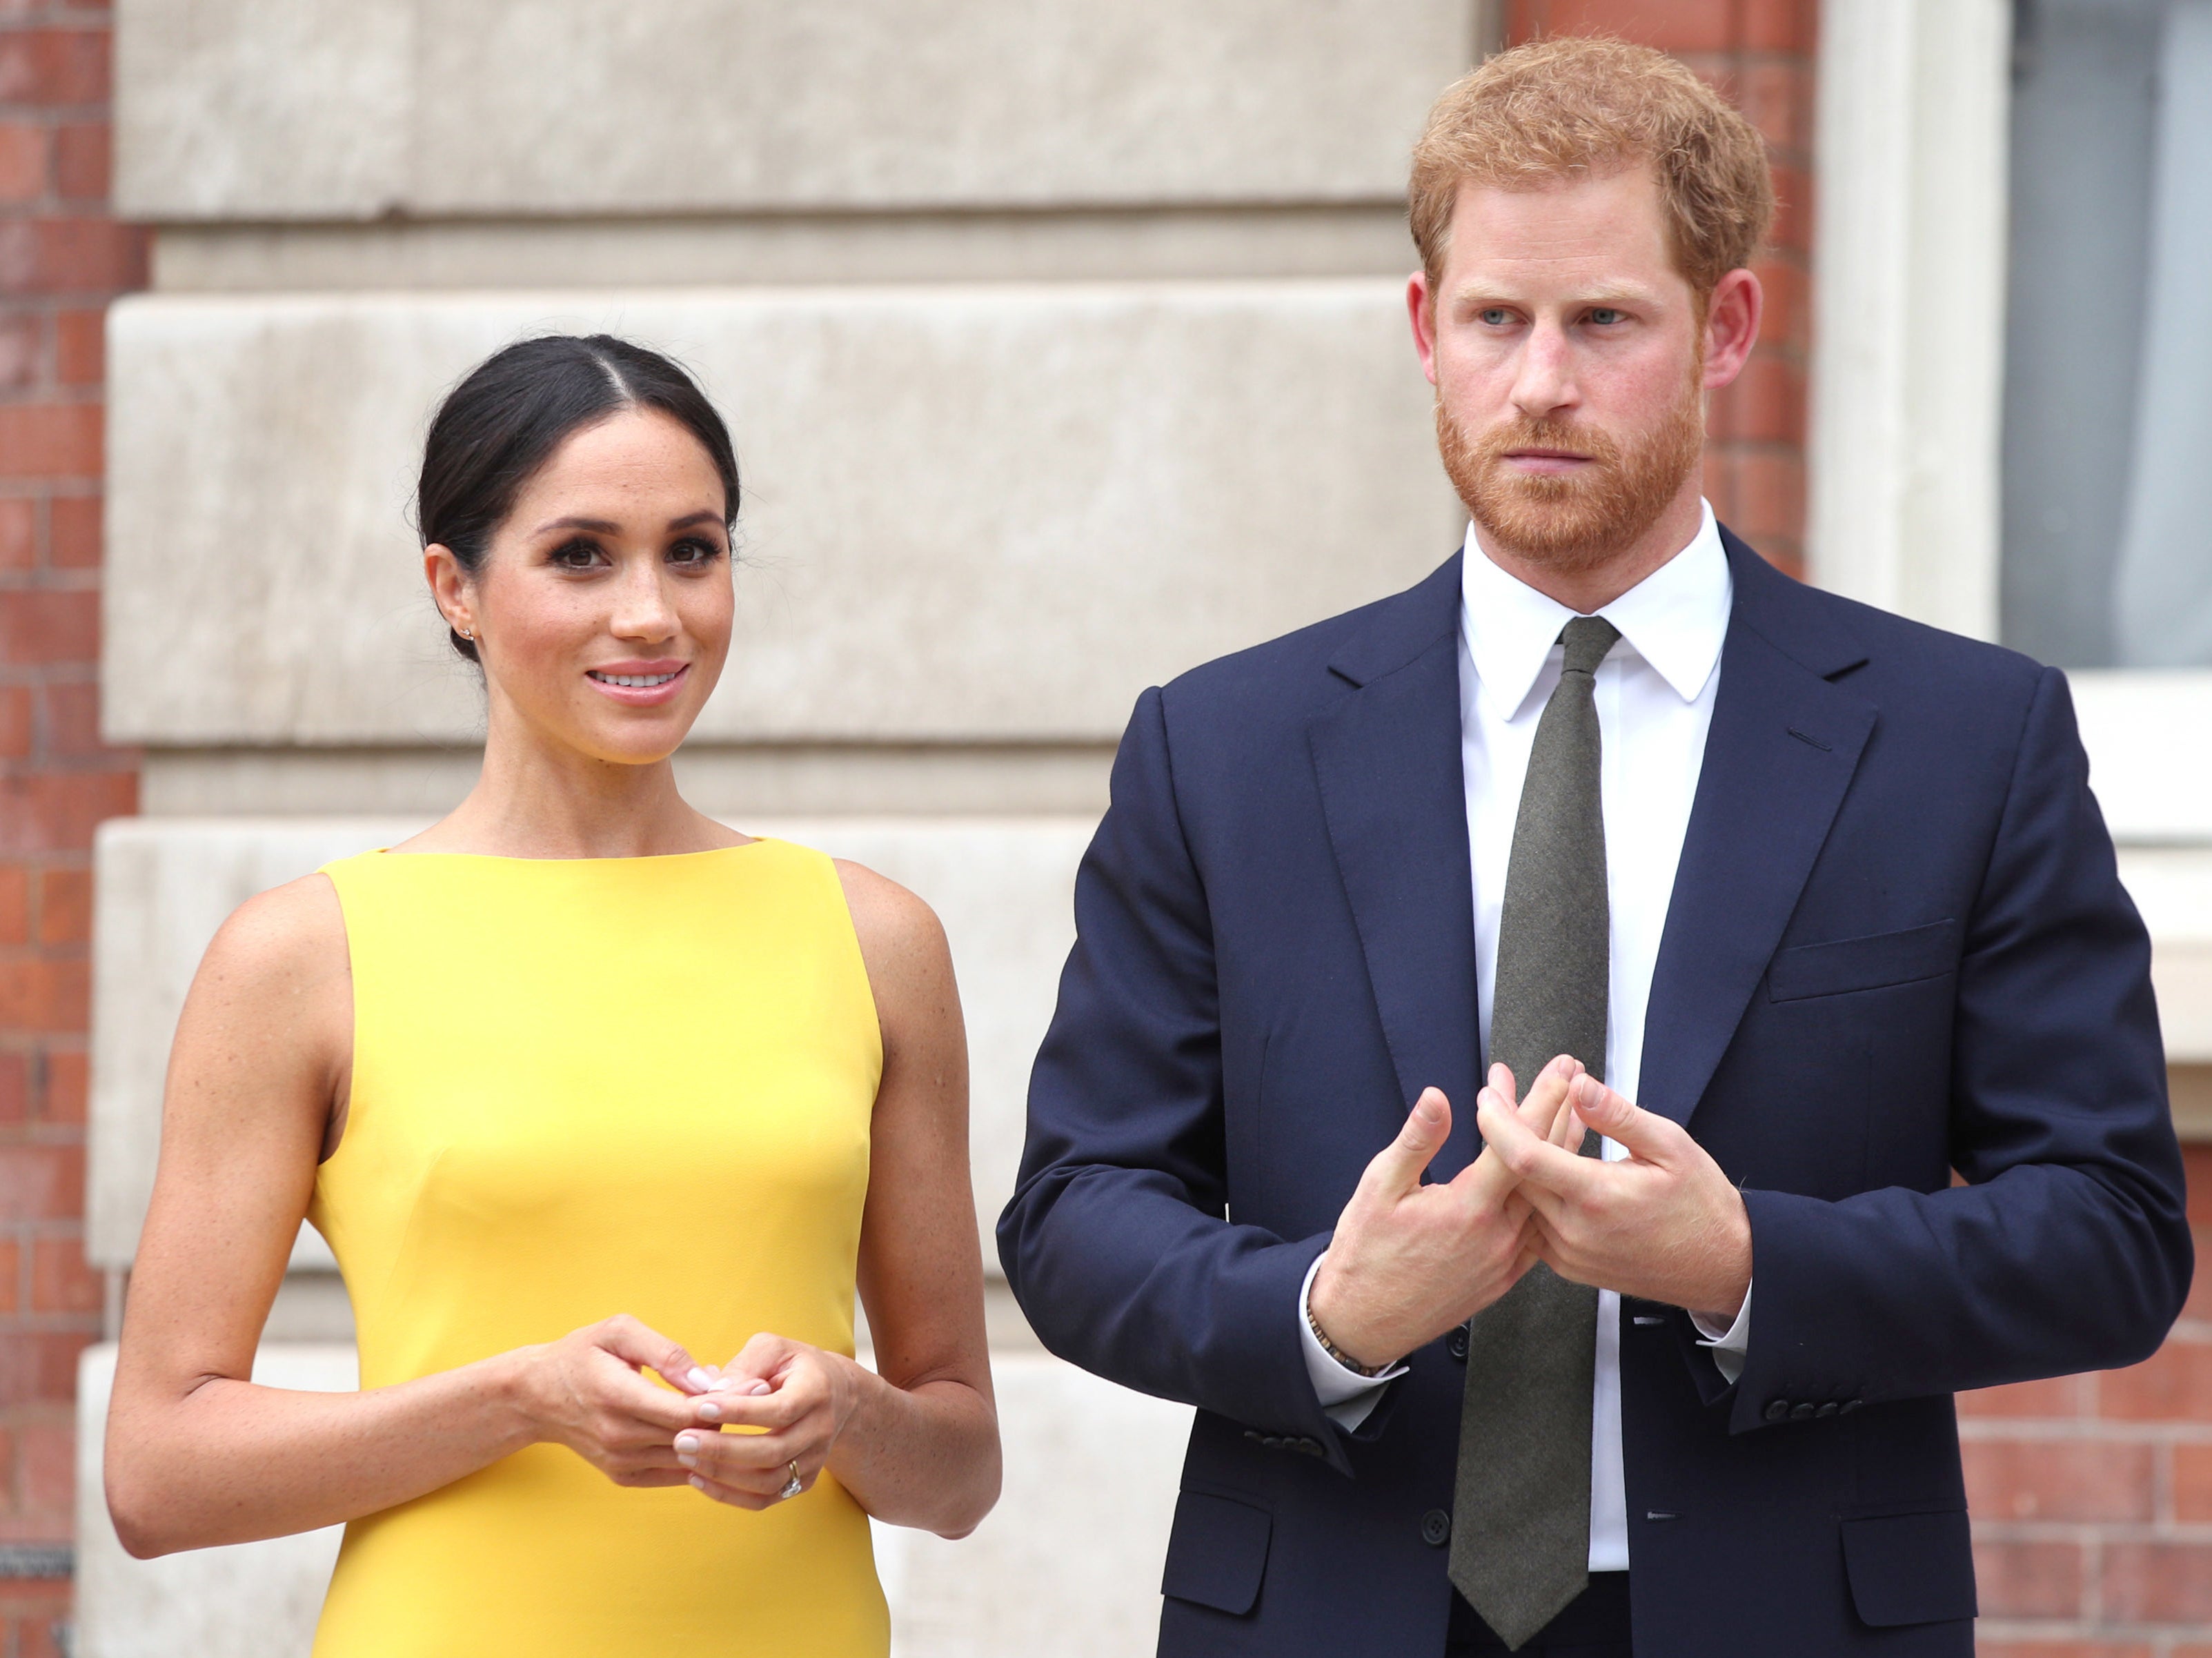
{"x":581,"y":1088}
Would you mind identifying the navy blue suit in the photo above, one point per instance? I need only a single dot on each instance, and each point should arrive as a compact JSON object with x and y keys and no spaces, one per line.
{"x":1897,"y":946}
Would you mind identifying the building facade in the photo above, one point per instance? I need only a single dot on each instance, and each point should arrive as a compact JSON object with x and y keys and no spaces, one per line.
{"x":1148,"y":260}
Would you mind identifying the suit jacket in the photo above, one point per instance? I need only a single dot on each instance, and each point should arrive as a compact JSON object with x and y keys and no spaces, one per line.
{"x":1897,"y":946}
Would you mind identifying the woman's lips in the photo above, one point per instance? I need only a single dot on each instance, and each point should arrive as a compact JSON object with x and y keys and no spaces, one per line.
{"x":648,"y":686}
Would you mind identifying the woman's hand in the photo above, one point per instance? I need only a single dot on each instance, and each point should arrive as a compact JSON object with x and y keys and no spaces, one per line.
{"x":587,"y":1391}
{"x":797,"y":1399}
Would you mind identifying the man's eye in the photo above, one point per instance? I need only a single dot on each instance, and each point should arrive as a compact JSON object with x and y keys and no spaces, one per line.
{"x":1493,"y":316}
{"x":1604,"y":316}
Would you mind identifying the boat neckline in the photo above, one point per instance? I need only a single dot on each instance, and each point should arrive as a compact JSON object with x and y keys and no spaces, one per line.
{"x":641,"y":857}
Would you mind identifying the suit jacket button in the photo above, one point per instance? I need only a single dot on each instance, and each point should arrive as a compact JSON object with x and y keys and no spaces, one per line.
{"x":1252,"y":1434}
{"x":1848,"y":1406}
{"x":1436,"y":1528}
{"x":1455,"y":1343}
{"x":1312,"y":1448}
{"x":1801,"y":1412}
{"x":1828,"y":1407}
{"x":1272,"y":1442}
{"x":1777,"y":1410}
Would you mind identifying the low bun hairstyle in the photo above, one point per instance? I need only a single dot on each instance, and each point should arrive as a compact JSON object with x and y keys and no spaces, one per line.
{"x":516,"y":407}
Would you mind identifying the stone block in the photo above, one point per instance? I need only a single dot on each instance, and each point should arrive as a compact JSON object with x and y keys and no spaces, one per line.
{"x":351,"y":109}
{"x":243,"y":1600}
{"x":973,"y":514}
{"x":1067,"y":1564}
{"x":1003,"y":887}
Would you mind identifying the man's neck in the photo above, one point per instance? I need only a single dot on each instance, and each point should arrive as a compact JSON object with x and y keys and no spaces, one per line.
{"x":1590,"y":589}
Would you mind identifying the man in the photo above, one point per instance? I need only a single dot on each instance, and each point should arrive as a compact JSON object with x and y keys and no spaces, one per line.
{"x":1610,"y":805}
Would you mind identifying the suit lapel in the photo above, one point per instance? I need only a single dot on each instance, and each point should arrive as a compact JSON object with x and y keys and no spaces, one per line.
{"x":1386,"y":759}
{"x":1783,"y":748}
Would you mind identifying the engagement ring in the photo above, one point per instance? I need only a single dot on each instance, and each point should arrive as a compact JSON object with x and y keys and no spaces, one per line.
{"x":792,"y":1489}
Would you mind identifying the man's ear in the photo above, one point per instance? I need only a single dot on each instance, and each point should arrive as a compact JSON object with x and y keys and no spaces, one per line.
{"x":1732,"y":319}
{"x":1421,"y":311}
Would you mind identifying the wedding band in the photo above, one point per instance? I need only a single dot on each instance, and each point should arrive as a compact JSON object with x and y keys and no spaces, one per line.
{"x":791,"y":1490}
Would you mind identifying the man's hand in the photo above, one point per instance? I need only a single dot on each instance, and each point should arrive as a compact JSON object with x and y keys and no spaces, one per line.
{"x":1665,"y":1223}
{"x":1410,"y":1260}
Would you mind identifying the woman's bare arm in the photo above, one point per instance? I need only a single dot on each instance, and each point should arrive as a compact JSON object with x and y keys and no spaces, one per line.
{"x":916,"y":1441}
{"x":197,"y":1452}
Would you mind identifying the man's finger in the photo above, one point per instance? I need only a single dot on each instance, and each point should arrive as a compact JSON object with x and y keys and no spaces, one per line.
{"x":1647,"y":1135}
{"x":1533,"y":1159}
{"x":1398,"y":1166}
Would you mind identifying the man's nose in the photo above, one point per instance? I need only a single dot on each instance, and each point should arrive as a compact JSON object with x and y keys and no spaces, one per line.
{"x":1544,"y":386}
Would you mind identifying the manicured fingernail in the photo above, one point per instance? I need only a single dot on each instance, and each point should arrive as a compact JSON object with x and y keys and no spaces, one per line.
{"x":686,"y":1444}
{"x":755,"y":1388}
{"x":696,"y":1377}
{"x":710,"y":1410}
{"x":697,"y":1483}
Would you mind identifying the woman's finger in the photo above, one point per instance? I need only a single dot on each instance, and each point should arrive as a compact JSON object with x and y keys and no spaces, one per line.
{"x":641,"y":1346}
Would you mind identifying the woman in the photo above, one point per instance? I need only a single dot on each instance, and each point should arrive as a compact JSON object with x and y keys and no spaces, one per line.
{"x":578,"y":1083}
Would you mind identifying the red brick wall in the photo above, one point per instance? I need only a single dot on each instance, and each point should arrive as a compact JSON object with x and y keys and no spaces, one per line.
{"x":1761,"y":53}
{"x":61,"y":258}
{"x":2093,"y":1497}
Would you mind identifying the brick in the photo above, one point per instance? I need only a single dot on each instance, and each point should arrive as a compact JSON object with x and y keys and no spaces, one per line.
{"x":43,"y":995}
{"x":15,"y":904}
{"x":15,"y":729}
{"x":39,"y":1367}
{"x":74,"y":538}
{"x":57,"y":811}
{"x":82,"y":160}
{"x":1767,"y":404}
{"x":72,"y":722}
{"x":22,"y":347}
{"x":2173,"y":1385}
{"x":19,"y":533}
{"x":52,"y":440}
{"x":61,"y":1280}
{"x":2197,"y":1167}
{"x":14,"y":1087}
{"x":2028,"y":1579}
{"x":1678,"y":26}
{"x":80,"y":347}
{"x":1769,"y":495}
{"x":11,"y":1275}
{"x":41,"y":1181}
{"x":2157,"y":1582}
{"x":2044,"y":1480}
{"x":2199,"y":1304}
{"x":1793,"y":209}
{"x":1778,"y":99}
{"x":1779,"y":25}
{"x":24,"y":148}
{"x":54,"y":66}
{"x":2192,"y":1484}
{"x":64,"y":255}
{"x":67,"y":1090}
{"x":65,"y":907}
{"x":1787,"y":322}
{"x":2060,"y":1396}
{"x":45,"y":1470}
{"x":43,"y":1634}
{"x":40,"y":627}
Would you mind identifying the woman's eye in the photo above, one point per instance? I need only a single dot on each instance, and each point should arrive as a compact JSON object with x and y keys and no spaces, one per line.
{"x":576,"y":555}
{"x":694,"y":553}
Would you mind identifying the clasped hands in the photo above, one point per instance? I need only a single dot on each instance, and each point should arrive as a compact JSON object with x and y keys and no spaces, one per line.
{"x":1410,"y":1259}
{"x":788,"y":1402}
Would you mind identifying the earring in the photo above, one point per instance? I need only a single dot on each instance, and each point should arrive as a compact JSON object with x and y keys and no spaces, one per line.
{"x":468,"y":634}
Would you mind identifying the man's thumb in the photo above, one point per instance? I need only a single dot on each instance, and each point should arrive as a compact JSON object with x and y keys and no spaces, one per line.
{"x":1427,"y":1125}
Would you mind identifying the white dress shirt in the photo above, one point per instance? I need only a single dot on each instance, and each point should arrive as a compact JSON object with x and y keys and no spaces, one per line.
{"x":1655,"y":704}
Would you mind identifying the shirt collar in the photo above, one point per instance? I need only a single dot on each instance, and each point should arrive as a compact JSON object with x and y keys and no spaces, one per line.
{"x":1676,"y":619}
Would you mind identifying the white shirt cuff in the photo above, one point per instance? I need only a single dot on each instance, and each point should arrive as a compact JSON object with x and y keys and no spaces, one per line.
{"x":1346,"y":1396}
{"x":1727,"y":1347}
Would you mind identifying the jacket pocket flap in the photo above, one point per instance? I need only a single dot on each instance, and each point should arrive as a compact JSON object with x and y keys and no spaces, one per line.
{"x":1869,"y":963}
{"x":1910,"y":1568}
{"x":1217,"y":1551}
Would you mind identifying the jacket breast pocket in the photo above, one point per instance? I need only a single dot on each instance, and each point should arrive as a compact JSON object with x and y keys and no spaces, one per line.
{"x":1873,"y":962}
{"x":1218,"y":1553}
{"x":1909,"y":1567}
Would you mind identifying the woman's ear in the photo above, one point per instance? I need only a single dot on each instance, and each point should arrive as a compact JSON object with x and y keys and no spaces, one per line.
{"x":449,"y":588}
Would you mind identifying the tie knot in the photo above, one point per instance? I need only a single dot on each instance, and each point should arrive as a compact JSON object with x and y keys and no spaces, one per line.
{"x":1587,"y":639}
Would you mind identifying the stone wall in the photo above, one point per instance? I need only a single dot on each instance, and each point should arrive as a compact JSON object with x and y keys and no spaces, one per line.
{"x":61,"y":258}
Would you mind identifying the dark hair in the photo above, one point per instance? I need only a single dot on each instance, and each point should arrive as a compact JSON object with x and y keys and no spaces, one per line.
{"x":507,"y":415}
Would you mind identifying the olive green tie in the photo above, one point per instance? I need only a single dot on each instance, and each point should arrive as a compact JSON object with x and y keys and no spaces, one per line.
{"x":1520,"y":1540}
